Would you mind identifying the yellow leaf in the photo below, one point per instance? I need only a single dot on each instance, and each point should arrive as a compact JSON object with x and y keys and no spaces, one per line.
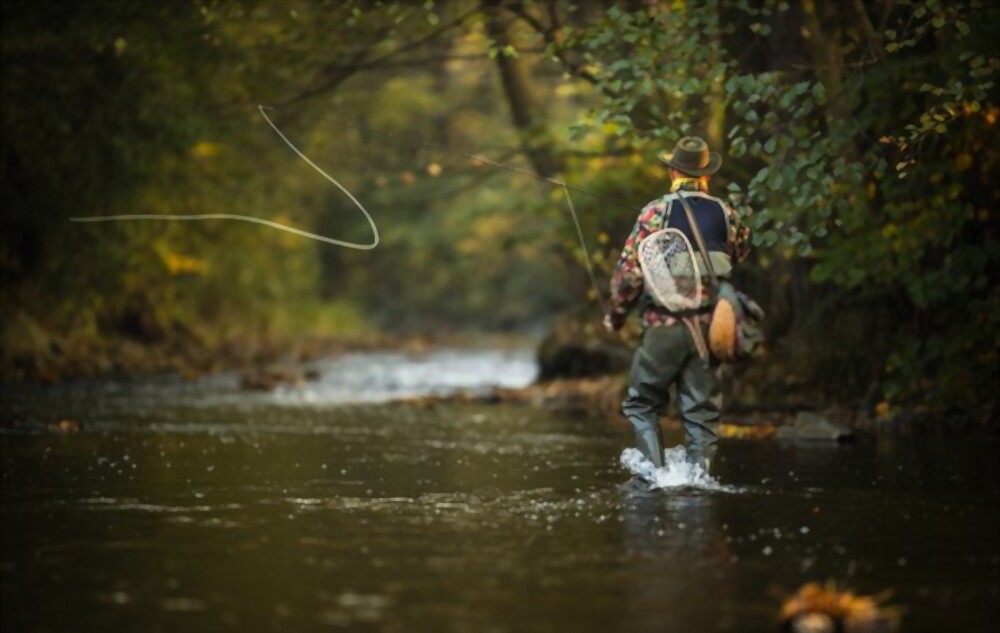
{"x":178,"y":264}
{"x":204,"y":149}
{"x":882,"y":409}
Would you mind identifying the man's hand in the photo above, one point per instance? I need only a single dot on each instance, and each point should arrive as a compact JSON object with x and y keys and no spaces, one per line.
{"x":614,"y":321}
{"x":608,"y":325}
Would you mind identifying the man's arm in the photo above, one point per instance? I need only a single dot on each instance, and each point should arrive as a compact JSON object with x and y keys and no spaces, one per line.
{"x":626,"y":281}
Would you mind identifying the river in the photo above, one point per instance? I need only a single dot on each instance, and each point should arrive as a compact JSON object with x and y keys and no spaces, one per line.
{"x":195,"y":506}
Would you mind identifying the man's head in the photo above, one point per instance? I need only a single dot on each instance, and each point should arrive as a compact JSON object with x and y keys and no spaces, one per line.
{"x":691,"y":158}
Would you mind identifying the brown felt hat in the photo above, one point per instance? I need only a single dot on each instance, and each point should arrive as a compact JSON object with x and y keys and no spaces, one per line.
{"x":691,"y":157}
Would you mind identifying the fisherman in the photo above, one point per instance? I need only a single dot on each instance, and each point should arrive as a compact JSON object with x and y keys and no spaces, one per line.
{"x":668,"y":353}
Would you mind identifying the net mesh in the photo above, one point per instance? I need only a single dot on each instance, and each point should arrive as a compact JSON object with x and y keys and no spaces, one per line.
{"x":670,"y":270}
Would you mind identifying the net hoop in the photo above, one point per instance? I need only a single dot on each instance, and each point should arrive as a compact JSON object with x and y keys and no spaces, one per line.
{"x":660,"y":282}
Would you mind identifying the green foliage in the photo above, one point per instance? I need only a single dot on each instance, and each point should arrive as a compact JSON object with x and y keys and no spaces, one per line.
{"x":132,"y":107}
{"x":122,"y":121}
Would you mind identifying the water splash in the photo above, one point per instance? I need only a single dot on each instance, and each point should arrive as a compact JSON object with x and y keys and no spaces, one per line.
{"x":676,"y":472}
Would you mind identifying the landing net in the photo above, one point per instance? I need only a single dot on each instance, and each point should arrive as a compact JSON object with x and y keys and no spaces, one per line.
{"x":670,"y":271}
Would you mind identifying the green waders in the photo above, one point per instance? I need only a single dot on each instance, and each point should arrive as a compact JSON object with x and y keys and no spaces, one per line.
{"x":667,"y":355}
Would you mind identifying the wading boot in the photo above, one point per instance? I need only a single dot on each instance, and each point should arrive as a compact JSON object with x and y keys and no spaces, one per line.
{"x":649,"y":441}
{"x":703,"y":457}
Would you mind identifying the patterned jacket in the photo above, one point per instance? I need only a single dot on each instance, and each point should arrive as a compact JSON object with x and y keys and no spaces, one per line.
{"x":627,"y":281}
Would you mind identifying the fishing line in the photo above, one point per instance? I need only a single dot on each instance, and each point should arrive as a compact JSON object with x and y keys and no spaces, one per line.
{"x":248,"y":218}
{"x":371,"y":222}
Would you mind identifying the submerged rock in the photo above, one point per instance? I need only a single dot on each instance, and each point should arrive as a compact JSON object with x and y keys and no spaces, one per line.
{"x":811,"y":427}
{"x":66,"y":425}
{"x":266,"y":379}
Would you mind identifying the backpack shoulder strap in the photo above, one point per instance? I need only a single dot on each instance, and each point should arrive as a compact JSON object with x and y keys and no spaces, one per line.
{"x":668,"y":208}
{"x":698,"y":238}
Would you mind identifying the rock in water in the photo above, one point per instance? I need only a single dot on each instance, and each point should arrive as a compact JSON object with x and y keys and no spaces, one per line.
{"x":569,"y":352}
{"x":811,"y":427}
{"x":267,"y":379}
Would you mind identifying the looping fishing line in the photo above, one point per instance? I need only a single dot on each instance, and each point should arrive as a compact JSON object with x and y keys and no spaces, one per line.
{"x":375,"y":237}
{"x":248,"y":218}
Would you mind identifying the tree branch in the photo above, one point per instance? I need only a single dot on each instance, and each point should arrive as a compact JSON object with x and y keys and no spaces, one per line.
{"x":341,"y":72}
{"x":873,"y":36}
{"x":548,"y":34}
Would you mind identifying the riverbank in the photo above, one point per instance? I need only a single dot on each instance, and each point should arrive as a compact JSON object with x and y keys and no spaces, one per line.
{"x":761,"y":397}
{"x":31,"y":354}
{"x":602,"y":397}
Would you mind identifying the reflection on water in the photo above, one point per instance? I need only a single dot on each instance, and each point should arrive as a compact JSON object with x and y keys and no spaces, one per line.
{"x":187,"y":507}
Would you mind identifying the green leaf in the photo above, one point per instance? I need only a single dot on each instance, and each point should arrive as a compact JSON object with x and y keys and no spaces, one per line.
{"x":819,"y":93}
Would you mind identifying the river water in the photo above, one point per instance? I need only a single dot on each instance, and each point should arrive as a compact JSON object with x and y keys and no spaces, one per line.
{"x":197,"y":507}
